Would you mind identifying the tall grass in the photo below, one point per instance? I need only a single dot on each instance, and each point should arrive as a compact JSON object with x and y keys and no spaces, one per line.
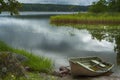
{"x":87,"y":18}
{"x":36,"y":63}
{"x":4,"y":47}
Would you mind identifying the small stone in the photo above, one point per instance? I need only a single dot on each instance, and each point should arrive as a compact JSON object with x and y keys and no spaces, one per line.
{"x":10,"y":65}
{"x":4,"y":69}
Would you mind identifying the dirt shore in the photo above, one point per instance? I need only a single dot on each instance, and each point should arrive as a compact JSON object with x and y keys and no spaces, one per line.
{"x":108,"y":76}
{"x":91,"y":78}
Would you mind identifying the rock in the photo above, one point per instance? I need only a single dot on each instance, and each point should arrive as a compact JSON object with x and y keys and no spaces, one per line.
{"x":20,"y":57}
{"x":28,"y":69}
{"x":10,"y":65}
{"x":4,"y":69}
{"x":63,"y":71}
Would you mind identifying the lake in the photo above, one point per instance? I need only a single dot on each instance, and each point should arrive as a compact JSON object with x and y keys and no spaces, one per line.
{"x":33,"y":32}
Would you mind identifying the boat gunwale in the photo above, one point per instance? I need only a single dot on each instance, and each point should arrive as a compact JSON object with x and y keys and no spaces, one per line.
{"x":82,"y":65}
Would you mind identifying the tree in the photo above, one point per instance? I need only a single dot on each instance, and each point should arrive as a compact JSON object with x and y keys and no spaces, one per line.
{"x":105,"y":6}
{"x":114,"y":5}
{"x":111,"y":37}
{"x":2,"y":5}
{"x":10,"y":5}
{"x":100,"y":6}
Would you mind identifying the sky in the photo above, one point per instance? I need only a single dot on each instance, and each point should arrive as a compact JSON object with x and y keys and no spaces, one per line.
{"x":72,"y":2}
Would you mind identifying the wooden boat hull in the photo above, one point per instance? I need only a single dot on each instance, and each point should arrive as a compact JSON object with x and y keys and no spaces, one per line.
{"x":81,"y":69}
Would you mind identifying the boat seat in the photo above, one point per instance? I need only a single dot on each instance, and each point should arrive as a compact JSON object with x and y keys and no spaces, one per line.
{"x":99,"y":63}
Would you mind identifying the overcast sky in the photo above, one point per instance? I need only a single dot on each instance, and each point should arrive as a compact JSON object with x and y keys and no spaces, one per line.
{"x":73,"y":2}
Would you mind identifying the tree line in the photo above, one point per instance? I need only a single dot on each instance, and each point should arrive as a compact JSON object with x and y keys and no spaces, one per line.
{"x":13,"y":6}
{"x":100,"y":6}
{"x":10,"y":5}
{"x":52,"y":7}
{"x":105,"y":6}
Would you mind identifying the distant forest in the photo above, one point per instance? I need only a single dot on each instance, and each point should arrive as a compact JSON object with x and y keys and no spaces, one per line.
{"x":53,"y":7}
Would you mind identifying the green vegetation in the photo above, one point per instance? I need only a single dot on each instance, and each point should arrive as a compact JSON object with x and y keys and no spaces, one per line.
{"x":100,"y":6}
{"x":10,"y":66}
{"x":105,"y":6}
{"x":114,"y":5}
{"x":37,"y":76}
{"x":4,"y":47}
{"x":32,"y":76}
{"x":36,"y":63}
{"x":103,"y":13}
{"x":10,"y":5}
{"x":52,"y":7}
{"x":87,"y":18}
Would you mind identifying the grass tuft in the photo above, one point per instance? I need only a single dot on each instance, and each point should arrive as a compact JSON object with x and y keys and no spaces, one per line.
{"x":36,"y":63}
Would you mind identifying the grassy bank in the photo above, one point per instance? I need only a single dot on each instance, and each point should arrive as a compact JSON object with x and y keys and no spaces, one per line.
{"x":87,"y":18}
{"x":36,"y":63}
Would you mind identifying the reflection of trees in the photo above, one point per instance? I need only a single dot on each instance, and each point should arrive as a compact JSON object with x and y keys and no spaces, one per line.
{"x":117,"y":48}
{"x":108,"y":35}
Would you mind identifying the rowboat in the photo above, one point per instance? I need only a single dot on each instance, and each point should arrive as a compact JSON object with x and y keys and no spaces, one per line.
{"x":89,"y":66}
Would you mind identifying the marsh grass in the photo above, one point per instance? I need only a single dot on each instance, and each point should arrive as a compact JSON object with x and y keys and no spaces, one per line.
{"x":87,"y":18}
{"x":36,"y":63}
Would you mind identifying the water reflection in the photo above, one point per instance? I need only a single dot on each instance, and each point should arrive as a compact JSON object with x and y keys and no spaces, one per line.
{"x":111,"y":36}
{"x":37,"y":35}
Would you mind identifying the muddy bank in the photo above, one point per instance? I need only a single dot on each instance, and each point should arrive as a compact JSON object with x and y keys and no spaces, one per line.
{"x":112,"y":75}
{"x":103,"y":77}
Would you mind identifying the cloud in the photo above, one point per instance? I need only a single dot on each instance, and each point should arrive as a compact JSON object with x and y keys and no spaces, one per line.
{"x":73,"y":2}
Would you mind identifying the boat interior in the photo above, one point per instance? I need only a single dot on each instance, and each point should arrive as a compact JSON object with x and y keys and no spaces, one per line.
{"x":92,"y":63}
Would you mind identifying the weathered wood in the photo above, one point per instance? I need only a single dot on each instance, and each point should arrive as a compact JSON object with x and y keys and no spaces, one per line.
{"x":86,"y":67}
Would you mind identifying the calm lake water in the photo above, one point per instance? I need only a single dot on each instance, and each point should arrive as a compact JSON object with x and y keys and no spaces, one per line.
{"x":33,"y":32}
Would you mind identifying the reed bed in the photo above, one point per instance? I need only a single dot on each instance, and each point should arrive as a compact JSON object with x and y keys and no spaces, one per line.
{"x":87,"y":18}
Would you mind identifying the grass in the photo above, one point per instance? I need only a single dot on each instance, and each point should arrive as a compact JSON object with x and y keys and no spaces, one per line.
{"x":37,"y":76}
{"x":32,"y":76}
{"x":36,"y":63}
{"x":87,"y":18}
{"x":4,"y":47}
